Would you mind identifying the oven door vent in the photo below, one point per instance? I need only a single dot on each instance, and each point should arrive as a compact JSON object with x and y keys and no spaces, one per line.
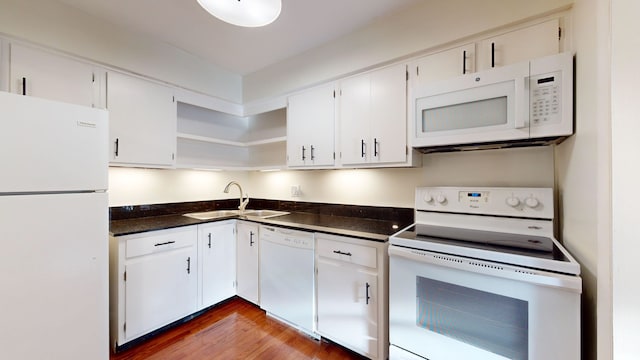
{"x":486,"y":265}
{"x":446,"y":258}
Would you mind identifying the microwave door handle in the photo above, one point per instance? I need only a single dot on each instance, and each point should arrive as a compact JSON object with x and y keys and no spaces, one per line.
{"x":521,"y":110}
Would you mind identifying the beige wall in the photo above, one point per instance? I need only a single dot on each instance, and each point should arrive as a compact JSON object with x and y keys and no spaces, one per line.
{"x":430,"y":24}
{"x":61,"y":27}
{"x":583,"y":170}
{"x":379,"y":187}
{"x":131,"y":186}
{"x":625,"y":95}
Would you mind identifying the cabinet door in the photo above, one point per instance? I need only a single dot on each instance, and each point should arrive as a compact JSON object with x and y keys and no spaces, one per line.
{"x":373,"y":117}
{"x":520,"y":45}
{"x":159,"y":289}
{"x":348,"y":306}
{"x":247,"y":261}
{"x":218,"y":262}
{"x":41,"y":74}
{"x":142,"y":118}
{"x":443,"y":65}
{"x":311,"y":127}
{"x":354,"y":119}
{"x":388,"y":115}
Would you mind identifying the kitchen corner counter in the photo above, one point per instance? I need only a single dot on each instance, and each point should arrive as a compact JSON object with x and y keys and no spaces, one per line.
{"x":371,"y":223}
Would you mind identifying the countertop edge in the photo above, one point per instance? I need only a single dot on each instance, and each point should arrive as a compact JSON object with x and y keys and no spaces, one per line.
{"x":175,"y":221}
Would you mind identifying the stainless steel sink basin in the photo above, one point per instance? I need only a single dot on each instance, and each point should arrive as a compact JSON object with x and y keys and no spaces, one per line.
{"x":264,"y":214}
{"x":208,"y":215}
{"x":215,"y":214}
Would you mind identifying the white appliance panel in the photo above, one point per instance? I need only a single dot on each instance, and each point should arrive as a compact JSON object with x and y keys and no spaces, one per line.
{"x":287,"y":276}
{"x":54,"y":276}
{"x":49,"y":146}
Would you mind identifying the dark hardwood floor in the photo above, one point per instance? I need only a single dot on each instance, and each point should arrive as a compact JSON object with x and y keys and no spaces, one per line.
{"x":233,"y":330}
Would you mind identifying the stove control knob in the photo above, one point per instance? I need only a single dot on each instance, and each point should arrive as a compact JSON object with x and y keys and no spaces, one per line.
{"x":532,"y":202}
{"x":513,"y":201}
{"x":428,"y":198}
{"x":441,"y":199}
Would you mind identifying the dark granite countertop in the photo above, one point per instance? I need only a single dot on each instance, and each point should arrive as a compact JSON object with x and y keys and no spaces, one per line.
{"x":355,"y":226}
{"x":370,"y":229}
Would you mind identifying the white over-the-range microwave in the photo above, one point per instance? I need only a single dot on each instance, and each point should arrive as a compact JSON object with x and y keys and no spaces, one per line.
{"x":524,"y":104}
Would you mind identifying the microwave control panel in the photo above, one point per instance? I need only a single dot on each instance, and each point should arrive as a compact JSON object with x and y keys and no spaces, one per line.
{"x":545,"y":98}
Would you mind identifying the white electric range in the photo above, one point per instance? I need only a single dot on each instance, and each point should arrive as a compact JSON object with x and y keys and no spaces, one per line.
{"x":480,"y":275}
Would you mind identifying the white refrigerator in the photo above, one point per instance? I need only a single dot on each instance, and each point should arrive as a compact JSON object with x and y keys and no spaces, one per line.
{"x":53,"y":230}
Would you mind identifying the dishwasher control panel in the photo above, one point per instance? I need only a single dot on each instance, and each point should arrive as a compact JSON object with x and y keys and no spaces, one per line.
{"x":287,"y":237}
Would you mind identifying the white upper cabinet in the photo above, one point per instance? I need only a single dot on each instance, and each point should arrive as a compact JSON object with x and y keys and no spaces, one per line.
{"x":41,"y":74}
{"x":443,"y":65}
{"x":520,"y":45}
{"x":311,"y":127}
{"x":373,"y":118}
{"x":142,"y":122}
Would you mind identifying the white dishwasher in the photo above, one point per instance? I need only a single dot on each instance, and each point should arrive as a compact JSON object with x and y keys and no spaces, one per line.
{"x":287,"y":276}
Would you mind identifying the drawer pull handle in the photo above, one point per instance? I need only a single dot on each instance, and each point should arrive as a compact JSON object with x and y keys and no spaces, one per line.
{"x":251,"y":238}
{"x":341,"y":253}
{"x":209,"y":240}
{"x":367,"y":294}
{"x":165,"y":243}
{"x":189,"y":265}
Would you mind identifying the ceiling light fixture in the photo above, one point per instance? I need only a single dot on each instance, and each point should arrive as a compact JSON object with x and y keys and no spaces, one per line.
{"x":247,"y":13}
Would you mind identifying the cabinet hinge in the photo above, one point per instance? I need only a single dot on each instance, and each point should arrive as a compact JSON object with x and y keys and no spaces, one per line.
{"x":559,"y":33}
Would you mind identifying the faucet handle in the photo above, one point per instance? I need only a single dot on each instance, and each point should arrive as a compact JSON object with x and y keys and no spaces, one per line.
{"x":244,"y":203}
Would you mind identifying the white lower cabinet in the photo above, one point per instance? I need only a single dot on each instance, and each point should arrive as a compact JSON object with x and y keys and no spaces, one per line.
{"x":247,"y":261}
{"x":217,"y":251}
{"x":351,"y":285}
{"x":153,"y":281}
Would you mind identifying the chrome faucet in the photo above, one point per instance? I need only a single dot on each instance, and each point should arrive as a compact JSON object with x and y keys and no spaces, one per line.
{"x":243,"y":203}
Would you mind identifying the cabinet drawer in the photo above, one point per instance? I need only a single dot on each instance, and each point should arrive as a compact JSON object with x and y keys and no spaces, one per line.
{"x":159,"y":241}
{"x":347,"y":252}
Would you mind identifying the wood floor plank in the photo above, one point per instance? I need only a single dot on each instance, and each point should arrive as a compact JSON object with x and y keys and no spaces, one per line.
{"x":234,"y":330}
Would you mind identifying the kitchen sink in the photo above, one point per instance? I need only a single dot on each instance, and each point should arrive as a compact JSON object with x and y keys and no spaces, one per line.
{"x":215,"y":214}
{"x":264,"y":214}
{"x":208,"y":215}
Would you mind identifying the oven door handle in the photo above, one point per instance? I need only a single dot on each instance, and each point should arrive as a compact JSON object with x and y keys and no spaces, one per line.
{"x":532,"y":276}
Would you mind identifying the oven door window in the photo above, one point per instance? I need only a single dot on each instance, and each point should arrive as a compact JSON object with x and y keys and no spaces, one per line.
{"x":496,"y":323}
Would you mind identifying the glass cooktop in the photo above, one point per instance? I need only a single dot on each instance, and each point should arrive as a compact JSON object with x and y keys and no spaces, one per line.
{"x":457,"y":240}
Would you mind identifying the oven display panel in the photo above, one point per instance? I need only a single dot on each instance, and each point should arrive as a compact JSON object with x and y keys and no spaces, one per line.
{"x":474,"y":199}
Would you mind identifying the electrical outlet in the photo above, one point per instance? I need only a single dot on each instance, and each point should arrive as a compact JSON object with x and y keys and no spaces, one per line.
{"x":295,"y":191}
